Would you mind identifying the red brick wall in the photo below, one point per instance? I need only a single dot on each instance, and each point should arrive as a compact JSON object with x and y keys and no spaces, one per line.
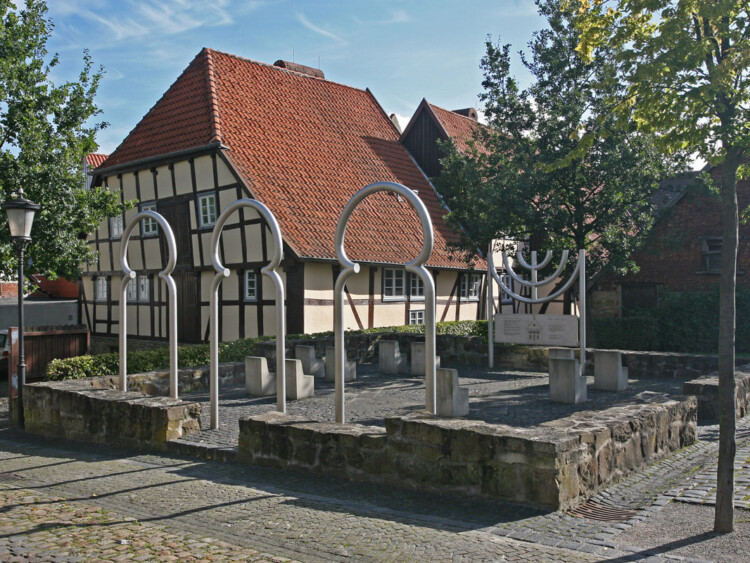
{"x":672,"y":255}
{"x":60,"y":288}
{"x":8,"y":290}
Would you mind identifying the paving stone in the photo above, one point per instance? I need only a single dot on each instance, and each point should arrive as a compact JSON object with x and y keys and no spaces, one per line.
{"x":189,"y":508}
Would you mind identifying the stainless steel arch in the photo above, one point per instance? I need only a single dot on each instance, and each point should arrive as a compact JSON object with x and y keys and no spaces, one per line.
{"x":415,"y":266}
{"x":268,"y":270}
{"x":165,"y":274}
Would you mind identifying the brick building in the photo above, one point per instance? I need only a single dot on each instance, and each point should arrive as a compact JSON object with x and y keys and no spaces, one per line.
{"x":683,"y":251}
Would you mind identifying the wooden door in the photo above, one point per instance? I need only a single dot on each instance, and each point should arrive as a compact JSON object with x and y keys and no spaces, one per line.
{"x":188,"y":307}
{"x":186,"y":277}
{"x":177,"y":214}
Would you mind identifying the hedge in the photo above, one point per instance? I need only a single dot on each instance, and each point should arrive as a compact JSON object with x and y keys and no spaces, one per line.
{"x":686,"y":322}
{"x":198,"y":354}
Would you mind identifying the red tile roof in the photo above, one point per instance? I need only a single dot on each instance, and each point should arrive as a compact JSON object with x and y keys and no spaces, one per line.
{"x":94,"y":160}
{"x":304,"y":146}
{"x":458,"y":127}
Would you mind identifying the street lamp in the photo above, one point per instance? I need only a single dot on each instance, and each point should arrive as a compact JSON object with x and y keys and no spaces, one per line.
{"x":20,"y":213}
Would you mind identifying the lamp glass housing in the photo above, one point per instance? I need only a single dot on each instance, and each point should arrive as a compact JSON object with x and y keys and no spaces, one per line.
{"x":20,"y":217}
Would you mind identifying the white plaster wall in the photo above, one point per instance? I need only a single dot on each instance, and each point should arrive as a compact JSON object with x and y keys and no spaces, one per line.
{"x":204,"y":173}
{"x":146,"y":182}
{"x":183,"y":182}
{"x":163,"y":182}
{"x":225,"y":175}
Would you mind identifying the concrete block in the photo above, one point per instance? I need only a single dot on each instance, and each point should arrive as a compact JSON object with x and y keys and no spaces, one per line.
{"x":452,"y":400}
{"x":562,"y":353}
{"x":418,"y":359}
{"x":609,"y":375}
{"x":298,"y":385}
{"x":310,"y":364}
{"x":390,"y":359}
{"x":566,"y":385}
{"x":350,"y":368}
{"x":259,"y":382}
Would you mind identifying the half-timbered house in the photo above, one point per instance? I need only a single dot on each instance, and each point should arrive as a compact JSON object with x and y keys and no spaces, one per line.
{"x":231,"y":128}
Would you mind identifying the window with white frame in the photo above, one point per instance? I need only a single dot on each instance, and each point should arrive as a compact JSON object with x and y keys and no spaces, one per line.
{"x":144,"y":288}
{"x":506,"y":299}
{"x":100,"y":288}
{"x":711,"y":255}
{"x":416,"y":288}
{"x":207,"y":210}
{"x":251,"y":285}
{"x":115,"y":227}
{"x":470,"y":287}
{"x":149,"y":226}
{"x":139,"y":289}
{"x":132,"y":291}
{"x":416,"y":317}
{"x":393,"y":284}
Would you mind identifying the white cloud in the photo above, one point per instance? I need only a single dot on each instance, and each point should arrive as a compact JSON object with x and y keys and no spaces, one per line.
{"x":396,"y":17}
{"x":138,"y":18}
{"x":319,"y":30}
{"x":399,"y":16}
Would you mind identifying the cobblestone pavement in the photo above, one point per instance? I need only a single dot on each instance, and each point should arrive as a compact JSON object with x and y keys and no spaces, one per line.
{"x":516,"y":398}
{"x":64,"y":502}
{"x":52,"y":496}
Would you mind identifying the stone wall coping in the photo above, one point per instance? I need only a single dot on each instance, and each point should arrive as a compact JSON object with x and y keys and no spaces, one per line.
{"x":91,"y":387}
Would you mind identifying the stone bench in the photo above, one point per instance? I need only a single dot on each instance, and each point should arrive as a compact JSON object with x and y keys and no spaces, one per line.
{"x":566,"y":384}
{"x":609,"y":374}
{"x":350,"y":367}
{"x":418,"y":366}
{"x":298,"y":385}
{"x":390,"y":359}
{"x":259,"y":382}
{"x":310,"y":364}
{"x":452,"y":400}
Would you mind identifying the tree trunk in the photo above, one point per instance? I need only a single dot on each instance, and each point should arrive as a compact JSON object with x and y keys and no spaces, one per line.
{"x":724,"y":515}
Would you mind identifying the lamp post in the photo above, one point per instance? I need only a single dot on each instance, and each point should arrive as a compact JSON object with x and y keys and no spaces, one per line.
{"x":20,"y":213}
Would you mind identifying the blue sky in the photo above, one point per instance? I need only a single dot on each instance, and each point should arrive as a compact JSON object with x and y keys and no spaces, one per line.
{"x":401,"y":50}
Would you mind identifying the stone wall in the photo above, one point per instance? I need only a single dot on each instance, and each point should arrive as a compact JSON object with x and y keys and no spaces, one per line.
{"x":86,"y":410}
{"x":555,"y":465}
{"x":189,"y":379}
{"x":706,"y":390}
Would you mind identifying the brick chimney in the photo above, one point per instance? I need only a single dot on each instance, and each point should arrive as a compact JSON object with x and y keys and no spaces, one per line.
{"x":471,"y":113}
{"x":302,"y":69}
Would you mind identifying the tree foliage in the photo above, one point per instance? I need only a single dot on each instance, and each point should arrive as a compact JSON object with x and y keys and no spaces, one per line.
{"x":45,"y":132}
{"x":686,"y":64}
{"x":523,"y":176}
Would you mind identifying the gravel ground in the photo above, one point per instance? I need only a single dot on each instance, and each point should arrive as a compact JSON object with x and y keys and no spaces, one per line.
{"x":687,"y":530}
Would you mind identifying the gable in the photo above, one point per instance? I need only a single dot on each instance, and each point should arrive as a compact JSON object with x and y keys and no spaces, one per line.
{"x":303,"y":146}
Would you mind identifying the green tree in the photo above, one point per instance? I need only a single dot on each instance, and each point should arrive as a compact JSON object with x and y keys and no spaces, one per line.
{"x":686,"y":63}
{"x":45,"y":132}
{"x":523,"y":177}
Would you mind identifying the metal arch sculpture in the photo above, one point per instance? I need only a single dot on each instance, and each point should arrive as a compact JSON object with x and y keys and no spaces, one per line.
{"x":415,"y":266}
{"x":165,"y":274}
{"x":535,"y":284}
{"x":268,"y":270}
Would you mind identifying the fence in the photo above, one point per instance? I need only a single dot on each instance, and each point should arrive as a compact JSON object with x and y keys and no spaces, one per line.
{"x":44,"y":344}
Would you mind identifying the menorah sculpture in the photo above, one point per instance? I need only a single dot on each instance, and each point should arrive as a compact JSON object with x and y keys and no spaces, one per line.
{"x":540,"y":333}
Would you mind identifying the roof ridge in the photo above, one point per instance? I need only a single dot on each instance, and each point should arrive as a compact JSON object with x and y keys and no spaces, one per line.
{"x":451,"y":112}
{"x":274,"y":67}
{"x":214,"y":98}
